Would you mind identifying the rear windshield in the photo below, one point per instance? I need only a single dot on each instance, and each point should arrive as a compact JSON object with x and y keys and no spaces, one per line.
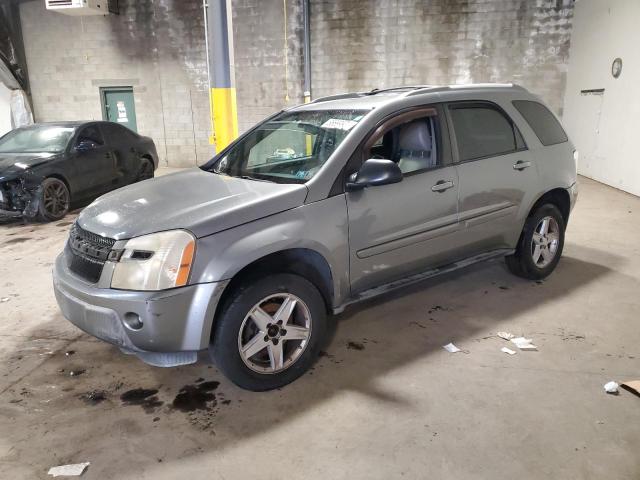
{"x":542,"y":122}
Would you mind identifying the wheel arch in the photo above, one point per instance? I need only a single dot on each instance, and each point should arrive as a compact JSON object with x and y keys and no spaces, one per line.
{"x":62,"y":178}
{"x":304,"y":262}
{"x":558,"y":197}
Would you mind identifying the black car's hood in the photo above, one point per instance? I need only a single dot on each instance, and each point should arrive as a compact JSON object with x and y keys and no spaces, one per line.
{"x":199,"y":201}
{"x":14,"y":164}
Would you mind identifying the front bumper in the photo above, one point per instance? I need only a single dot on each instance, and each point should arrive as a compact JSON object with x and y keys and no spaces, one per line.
{"x":176,"y":323}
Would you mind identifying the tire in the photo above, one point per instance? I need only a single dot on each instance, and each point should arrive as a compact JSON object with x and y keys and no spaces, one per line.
{"x":535,"y":259}
{"x":146,"y":170}
{"x":262,"y":337}
{"x":55,"y":200}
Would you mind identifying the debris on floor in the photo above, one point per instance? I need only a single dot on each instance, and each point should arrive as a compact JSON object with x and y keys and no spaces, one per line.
{"x":524,"y":343}
{"x":451,"y":348}
{"x":632,"y":386}
{"x":611,"y":387}
{"x":508,"y":350}
{"x":4,"y":299}
{"x":72,"y":470}
{"x":505,"y":335}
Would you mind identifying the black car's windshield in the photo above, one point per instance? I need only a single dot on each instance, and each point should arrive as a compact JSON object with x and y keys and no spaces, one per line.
{"x":290,"y":147}
{"x":36,"y":139}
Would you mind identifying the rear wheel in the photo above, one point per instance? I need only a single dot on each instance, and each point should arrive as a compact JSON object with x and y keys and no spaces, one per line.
{"x":540,"y":245}
{"x":269,"y":332}
{"x":54,"y":200}
{"x":146,"y":170}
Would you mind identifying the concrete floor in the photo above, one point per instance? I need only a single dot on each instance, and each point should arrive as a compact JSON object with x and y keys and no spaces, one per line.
{"x":398,"y":406}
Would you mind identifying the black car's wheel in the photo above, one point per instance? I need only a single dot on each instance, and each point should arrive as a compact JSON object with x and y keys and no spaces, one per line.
{"x":146,"y":170}
{"x":55,"y":200}
{"x":540,"y":245}
{"x":269,"y":332}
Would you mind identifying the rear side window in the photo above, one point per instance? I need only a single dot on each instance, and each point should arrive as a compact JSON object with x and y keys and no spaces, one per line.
{"x":483,"y":131}
{"x":542,"y":122}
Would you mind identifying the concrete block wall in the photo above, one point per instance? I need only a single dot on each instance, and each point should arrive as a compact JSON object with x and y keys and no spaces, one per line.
{"x":155,"y":46}
{"x":158,"y":48}
{"x":365,"y":44}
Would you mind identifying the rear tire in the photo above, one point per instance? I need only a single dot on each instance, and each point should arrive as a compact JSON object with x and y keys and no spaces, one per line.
{"x":540,"y":245}
{"x":146,"y":170}
{"x":55,"y":200}
{"x":269,"y":332}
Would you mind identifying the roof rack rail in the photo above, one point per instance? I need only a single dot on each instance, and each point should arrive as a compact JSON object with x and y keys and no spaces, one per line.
{"x":339,"y":96}
{"x":375,"y":91}
{"x":467,"y":86}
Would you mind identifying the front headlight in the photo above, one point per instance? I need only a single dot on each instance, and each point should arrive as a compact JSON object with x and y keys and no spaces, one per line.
{"x":155,"y":262}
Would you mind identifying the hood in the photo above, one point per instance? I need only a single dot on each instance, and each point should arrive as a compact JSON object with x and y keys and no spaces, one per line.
{"x":195,"y":200}
{"x":15,"y":164}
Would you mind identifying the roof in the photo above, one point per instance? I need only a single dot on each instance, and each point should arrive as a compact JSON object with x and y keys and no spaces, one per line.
{"x":376,"y":97}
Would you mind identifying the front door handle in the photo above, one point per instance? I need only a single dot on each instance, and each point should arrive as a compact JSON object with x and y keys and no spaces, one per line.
{"x":442,"y":185}
{"x":520,"y":165}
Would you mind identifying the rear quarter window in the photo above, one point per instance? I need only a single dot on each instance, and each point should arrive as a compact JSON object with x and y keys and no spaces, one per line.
{"x":542,"y":122}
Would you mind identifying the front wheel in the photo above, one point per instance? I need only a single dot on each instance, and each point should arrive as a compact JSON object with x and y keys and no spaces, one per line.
{"x":55,"y":200}
{"x":269,"y":332}
{"x":540,"y":245}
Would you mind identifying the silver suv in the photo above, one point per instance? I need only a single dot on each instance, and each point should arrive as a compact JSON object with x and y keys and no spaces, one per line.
{"x":317,"y":207}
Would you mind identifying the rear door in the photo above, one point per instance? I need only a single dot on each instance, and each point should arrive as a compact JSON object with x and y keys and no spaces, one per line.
{"x":402,"y":228}
{"x":496,"y":172}
{"x":93,"y":160}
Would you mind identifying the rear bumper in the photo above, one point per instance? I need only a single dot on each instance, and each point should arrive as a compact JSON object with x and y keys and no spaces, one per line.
{"x":175,"y":323}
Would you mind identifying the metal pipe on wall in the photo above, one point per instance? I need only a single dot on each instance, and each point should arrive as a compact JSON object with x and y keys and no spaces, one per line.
{"x":307,"y":50}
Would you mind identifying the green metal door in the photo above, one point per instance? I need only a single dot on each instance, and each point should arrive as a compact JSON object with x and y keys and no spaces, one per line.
{"x":119,"y":107}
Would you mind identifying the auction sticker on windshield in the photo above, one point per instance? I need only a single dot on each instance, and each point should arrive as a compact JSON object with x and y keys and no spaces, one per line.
{"x":339,"y":124}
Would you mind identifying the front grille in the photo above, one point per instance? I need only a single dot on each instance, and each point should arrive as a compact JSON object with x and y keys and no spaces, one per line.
{"x":86,"y":253}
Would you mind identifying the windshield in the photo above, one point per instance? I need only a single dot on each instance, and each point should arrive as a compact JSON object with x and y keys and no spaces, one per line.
{"x":290,"y":147}
{"x":46,"y":139}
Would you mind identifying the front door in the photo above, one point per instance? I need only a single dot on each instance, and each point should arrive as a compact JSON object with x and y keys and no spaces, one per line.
{"x":93,"y":160}
{"x":119,"y":106}
{"x":403,"y":228}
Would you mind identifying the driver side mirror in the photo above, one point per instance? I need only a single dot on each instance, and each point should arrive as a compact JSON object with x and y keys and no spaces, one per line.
{"x":374,"y":172}
{"x":85,"y":145}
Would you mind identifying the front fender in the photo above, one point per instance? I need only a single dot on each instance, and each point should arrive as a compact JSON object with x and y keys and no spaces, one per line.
{"x":319,"y":226}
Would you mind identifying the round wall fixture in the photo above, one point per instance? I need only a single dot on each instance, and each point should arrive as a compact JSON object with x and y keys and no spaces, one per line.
{"x":616,"y":67}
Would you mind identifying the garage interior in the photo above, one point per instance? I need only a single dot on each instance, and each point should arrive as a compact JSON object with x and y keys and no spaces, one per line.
{"x":384,"y":400}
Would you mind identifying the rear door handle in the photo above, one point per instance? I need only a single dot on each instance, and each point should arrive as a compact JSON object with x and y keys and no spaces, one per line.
{"x":442,"y":185}
{"x":520,"y":165}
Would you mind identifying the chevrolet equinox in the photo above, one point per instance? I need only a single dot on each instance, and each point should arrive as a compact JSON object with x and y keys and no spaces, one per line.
{"x":319,"y":206}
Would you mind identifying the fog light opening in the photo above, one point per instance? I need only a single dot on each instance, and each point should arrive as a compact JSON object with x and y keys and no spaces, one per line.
{"x":132,"y":321}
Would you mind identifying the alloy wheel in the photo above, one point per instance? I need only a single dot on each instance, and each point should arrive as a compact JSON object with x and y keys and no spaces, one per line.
{"x":274,"y":333}
{"x":545,"y":241}
{"x":55,"y":198}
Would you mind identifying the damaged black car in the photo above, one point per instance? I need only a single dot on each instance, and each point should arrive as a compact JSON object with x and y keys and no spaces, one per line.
{"x":46,"y":168}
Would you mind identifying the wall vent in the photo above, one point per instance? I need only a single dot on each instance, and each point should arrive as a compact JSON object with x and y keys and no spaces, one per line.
{"x":83,"y":7}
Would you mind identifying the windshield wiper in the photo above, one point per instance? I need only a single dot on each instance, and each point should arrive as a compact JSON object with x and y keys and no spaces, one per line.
{"x":248,"y":177}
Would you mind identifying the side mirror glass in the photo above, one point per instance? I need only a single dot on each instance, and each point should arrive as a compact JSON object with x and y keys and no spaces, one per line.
{"x":375,"y":172}
{"x":85,"y":145}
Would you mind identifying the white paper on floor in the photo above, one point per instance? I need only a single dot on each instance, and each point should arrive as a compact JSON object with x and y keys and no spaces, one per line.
{"x":505,"y":335}
{"x":611,"y":387}
{"x":524,"y":343}
{"x":73,"y":470}
{"x":450,"y":347}
{"x":508,"y":350}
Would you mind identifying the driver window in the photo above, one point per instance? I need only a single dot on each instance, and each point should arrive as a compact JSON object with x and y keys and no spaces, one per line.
{"x":411,"y":144}
{"x":91,"y":137}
